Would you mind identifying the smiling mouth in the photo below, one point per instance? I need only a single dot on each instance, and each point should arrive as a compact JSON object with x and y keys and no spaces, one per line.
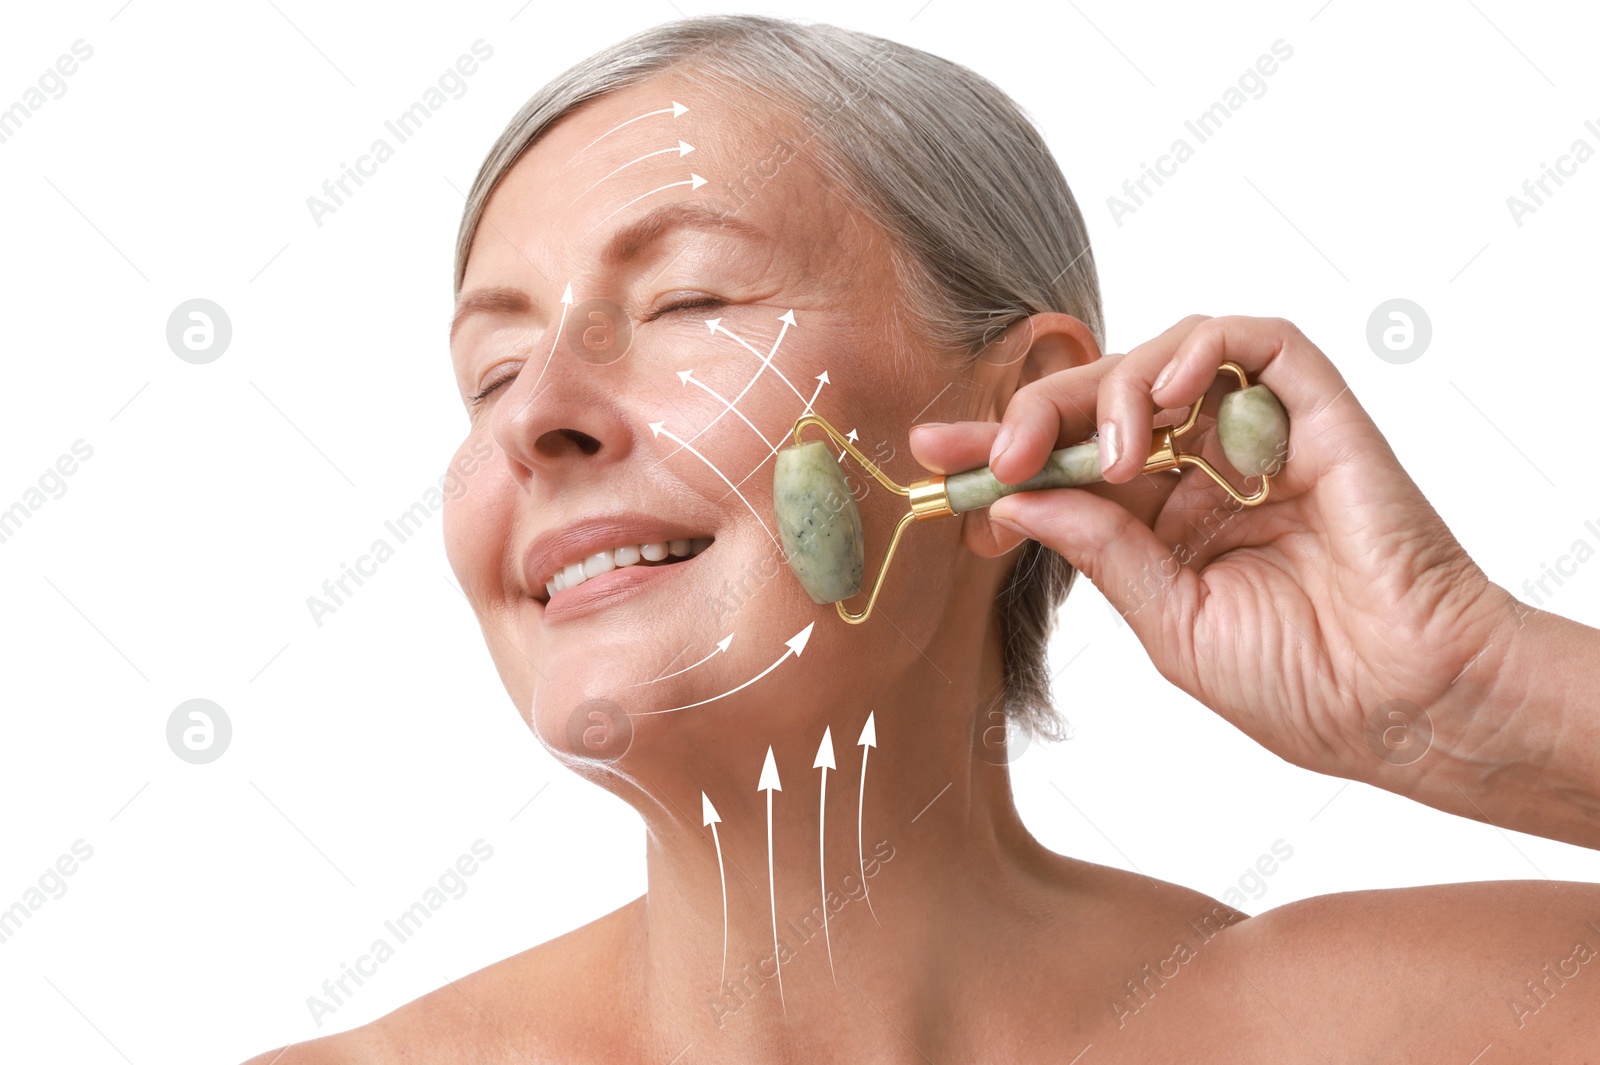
{"x":657,"y":553}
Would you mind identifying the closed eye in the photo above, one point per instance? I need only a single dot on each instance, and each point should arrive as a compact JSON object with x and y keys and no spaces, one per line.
{"x":683,"y":305}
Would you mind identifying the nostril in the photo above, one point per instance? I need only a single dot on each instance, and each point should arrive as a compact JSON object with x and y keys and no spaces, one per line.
{"x":557,"y":440}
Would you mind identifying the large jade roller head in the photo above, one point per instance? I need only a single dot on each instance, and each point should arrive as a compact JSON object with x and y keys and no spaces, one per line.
{"x":820,"y":526}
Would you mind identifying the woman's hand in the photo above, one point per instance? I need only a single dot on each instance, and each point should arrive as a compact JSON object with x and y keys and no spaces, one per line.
{"x":1339,"y":624}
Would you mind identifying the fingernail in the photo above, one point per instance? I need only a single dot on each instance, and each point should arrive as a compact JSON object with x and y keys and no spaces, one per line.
{"x":1001,"y":442}
{"x":1164,"y":376}
{"x":929,"y":425}
{"x":1109,"y":448}
{"x":1011,"y":526}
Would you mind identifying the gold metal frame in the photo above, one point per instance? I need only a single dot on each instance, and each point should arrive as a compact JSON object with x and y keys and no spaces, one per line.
{"x":930,"y":499}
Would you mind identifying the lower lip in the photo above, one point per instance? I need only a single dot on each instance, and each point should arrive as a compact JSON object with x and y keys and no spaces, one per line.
{"x":610,"y":588}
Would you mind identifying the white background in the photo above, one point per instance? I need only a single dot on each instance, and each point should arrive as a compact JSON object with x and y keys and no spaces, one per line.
{"x":369,"y":753}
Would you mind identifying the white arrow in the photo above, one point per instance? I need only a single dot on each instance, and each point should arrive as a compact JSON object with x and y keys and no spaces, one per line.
{"x":822,"y":379}
{"x":683,"y":149}
{"x":659,"y":429}
{"x":825,"y":762}
{"x":566,"y":305}
{"x":675,"y":110}
{"x":850,"y":436}
{"x":868,"y":740}
{"x":688,"y":378}
{"x":715,"y":325}
{"x":722,"y":645}
{"x":694,"y":182}
{"x":796,"y":645}
{"x":709,"y":816}
{"x":769,"y":784}
{"x":787,"y":318}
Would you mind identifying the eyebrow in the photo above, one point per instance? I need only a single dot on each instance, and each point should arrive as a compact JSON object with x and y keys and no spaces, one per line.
{"x":625,"y":245}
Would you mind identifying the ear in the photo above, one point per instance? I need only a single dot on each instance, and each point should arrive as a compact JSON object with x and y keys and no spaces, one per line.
{"x":1034,"y":348}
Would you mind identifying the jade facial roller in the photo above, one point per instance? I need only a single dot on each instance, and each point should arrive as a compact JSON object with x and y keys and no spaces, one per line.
{"x":820,"y":526}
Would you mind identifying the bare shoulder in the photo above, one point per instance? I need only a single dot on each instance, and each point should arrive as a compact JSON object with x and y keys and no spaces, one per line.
{"x":527,"y":1008}
{"x":1427,"y":971}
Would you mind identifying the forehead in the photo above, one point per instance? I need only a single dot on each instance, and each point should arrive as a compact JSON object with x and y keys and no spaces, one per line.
{"x":614,"y":158}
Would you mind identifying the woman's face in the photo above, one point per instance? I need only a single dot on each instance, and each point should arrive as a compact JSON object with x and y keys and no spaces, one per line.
{"x":711,"y":292}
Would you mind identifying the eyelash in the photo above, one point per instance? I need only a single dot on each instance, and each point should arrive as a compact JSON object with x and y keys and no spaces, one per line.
{"x":481,"y":396}
{"x":689,"y":304}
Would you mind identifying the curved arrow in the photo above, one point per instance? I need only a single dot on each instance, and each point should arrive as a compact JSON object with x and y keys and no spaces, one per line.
{"x":868,"y":740}
{"x":709,"y":816}
{"x":825,"y":762}
{"x":796,"y":645}
{"x":769,"y":784}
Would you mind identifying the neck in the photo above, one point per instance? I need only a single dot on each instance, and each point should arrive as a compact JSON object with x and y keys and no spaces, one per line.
{"x":891,"y":875}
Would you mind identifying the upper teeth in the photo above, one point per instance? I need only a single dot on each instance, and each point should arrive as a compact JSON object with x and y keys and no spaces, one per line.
{"x":618,"y":557}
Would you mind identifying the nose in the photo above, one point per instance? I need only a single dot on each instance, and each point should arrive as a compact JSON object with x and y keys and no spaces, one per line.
{"x":560,"y":411}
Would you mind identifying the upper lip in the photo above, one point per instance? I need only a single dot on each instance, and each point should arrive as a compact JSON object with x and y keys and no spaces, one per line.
{"x":573,"y":541}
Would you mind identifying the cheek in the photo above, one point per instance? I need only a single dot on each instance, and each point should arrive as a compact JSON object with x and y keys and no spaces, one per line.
{"x":477,"y":513}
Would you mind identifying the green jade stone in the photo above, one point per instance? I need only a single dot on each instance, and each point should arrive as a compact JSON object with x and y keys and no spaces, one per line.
{"x":1068,"y":467}
{"x":818,"y":522}
{"x":1254,"y":430}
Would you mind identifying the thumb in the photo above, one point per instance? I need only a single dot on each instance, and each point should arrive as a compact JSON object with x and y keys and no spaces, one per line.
{"x":1139,"y":575}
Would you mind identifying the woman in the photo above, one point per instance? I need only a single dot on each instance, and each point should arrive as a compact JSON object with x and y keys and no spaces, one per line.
{"x":871,"y":232}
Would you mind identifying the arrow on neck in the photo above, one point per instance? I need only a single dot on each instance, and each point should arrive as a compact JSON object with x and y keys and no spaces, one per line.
{"x":868,"y":740}
{"x":825,"y":762}
{"x":709,"y":816}
{"x":769,"y":784}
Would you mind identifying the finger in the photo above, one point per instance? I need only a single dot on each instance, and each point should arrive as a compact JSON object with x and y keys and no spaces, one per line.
{"x":1054,"y":411}
{"x":1124,"y":406}
{"x":954,"y":446}
{"x":1303,"y":378}
{"x":1132,"y":568}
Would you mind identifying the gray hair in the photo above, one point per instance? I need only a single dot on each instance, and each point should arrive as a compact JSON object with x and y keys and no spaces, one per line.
{"x":983,"y":228}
